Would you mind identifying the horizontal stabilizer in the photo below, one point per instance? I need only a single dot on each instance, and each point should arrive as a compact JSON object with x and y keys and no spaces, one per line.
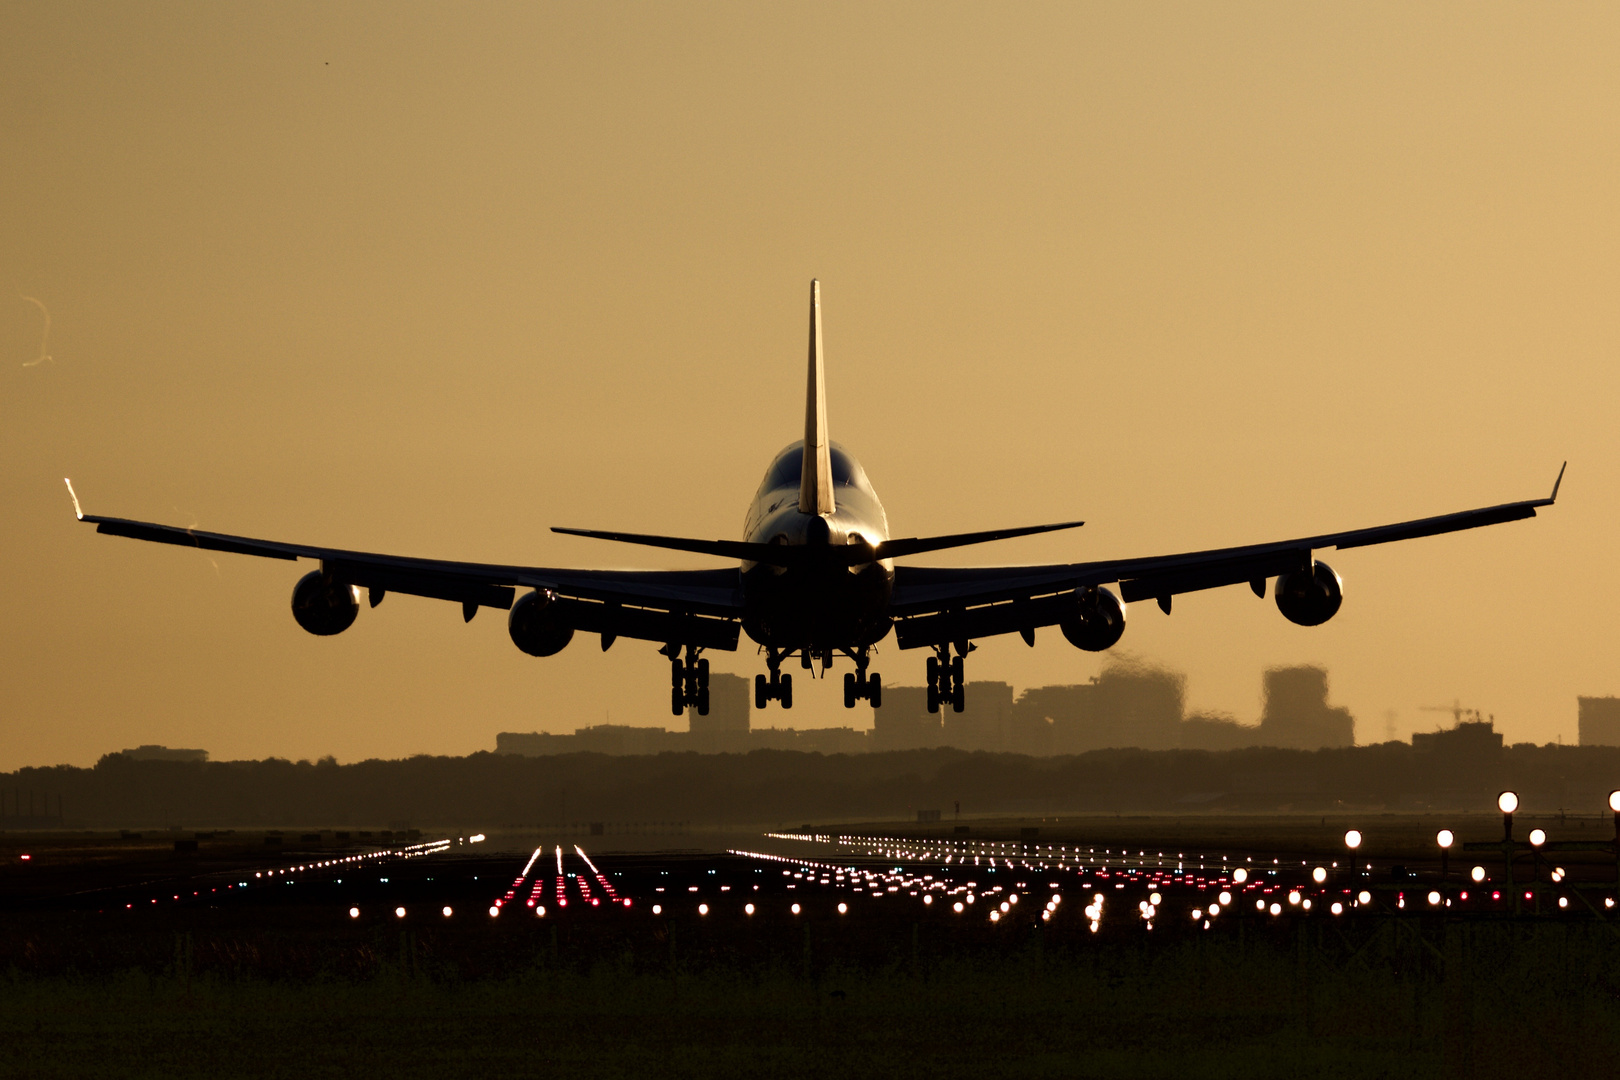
{"x":913,"y":545}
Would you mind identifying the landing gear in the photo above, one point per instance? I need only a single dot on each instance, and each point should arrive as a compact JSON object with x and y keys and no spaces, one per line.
{"x":858,"y":684}
{"x":946,"y":681}
{"x":778,"y":688}
{"x":688,"y":680}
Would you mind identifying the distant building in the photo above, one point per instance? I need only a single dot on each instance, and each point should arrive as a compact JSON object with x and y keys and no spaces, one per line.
{"x":152,"y":752}
{"x":1468,"y":739}
{"x":904,"y":722}
{"x":726,"y":726}
{"x":1297,"y":715}
{"x":600,"y":739}
{"x":987,"y":720}
{"x":1125,"y":706}
{"x":1599,"y":721}
{"x":1202,"y":732}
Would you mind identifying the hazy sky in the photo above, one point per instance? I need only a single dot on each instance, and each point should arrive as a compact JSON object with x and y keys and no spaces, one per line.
{"x":429,"y":279}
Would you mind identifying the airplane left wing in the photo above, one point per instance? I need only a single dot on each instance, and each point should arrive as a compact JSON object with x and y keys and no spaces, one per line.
{"x":696,"y":607}
{"x":936,"y":605}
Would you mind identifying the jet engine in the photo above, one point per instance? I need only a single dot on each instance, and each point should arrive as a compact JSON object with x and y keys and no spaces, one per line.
{"x":536,"y":626}
{"x":1097,"y":622}
{"x":1310,"y":597}
{"x":323,"y":606}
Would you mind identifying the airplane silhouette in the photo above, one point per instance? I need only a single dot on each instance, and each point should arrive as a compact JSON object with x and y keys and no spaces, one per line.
{"x":816,"y":578}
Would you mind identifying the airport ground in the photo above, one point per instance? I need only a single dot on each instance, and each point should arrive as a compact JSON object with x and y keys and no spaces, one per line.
{"x":320,"y":955}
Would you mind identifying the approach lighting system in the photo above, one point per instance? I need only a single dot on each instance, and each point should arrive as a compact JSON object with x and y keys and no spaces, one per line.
{"x":1537,"y":837}
{"x":1352,"y":839}
{"x":1614,"y":801}
{"x":1445,"y":838}
{"x":1478,"y":874}
{"x":1319,"y":875}
{"x":1507,"y":802}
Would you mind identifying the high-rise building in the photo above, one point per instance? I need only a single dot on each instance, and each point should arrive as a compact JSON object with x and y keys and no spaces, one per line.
{"x":1297,"y":715}
{"x":726,"y":726}
{"x":1599,"y":721}
{"x":1125,"y":706}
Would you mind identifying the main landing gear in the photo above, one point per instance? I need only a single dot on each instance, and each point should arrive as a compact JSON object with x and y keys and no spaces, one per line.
{"x":858,"y":685}
{"x":688,"y":680}
{"x":945,"y":679}
{"x":779,"y":687}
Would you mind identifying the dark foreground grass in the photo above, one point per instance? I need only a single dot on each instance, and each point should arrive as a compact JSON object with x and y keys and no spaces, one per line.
{"x":1452,"y":1000}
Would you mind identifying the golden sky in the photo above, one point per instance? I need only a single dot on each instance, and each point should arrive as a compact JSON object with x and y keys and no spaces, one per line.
{"x":430,"y":279}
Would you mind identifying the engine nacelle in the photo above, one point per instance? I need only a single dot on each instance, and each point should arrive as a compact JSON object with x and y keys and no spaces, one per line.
{"x":535,"y":625}
{"x":323,"y":606}
{"x":1310,"y":597}
{"x":1097,"y":622}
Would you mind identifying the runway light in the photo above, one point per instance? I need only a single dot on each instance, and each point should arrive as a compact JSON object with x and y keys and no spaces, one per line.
{"x":1614,"y":801}
{"x":794,"y":909}
{"x":354,"y":913}
{"x":1337,"y":908}
{"x":658,"y":909}
{"x":1352,"y":839}
{"x":1364,"y":897}
{"x":1259,"y":905}
{"x":1155,"y":899}
{"x":1240,"y":875}
{"x":1445,"y":838}
{"x":1225,"y":898}
{"x":1197,"y":914}
{"x":843,"y":909}
{"x":929,"y":899}
{"x":1537,"y":837}
{"x":957,"y":907}
{"x":494,"y":912}
{"x":540,"y":911}
{"x":1507,"y":802}
{"x":1319,"y":875}
{"x":1293,"y":897}
{"x":995,"y":916}
{"x":1477,"y":873}
{"x":748,"y":909}
{"x":1434,"y":899}
{"x":1276,"y":909}
{"x":1563,"y":901}
{"x":446,"y":912}
{"x":399,"y":913}
{"x":1558,"y":873}
{"x":703,"y":909}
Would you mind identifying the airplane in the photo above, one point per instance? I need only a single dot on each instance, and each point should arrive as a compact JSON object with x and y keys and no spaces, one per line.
{"x":816,"y":578}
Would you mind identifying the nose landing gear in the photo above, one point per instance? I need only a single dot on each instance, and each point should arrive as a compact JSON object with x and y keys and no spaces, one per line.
{"x":946,"y":682}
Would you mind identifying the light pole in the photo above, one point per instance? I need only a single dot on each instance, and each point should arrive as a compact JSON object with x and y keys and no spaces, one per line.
{"x":1614,"y":804}
{"x":1445,"y":839}
{"x":1352,"y":840}
{"x":1507,"y":802}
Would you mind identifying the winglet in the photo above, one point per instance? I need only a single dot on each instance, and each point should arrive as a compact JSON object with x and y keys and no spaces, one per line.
{"x":815,"y":475}
{"x":1554,"y":496}
{"x":77,"y":512}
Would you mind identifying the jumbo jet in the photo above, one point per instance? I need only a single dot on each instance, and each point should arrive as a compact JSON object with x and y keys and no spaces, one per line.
{"x":816,"y":579}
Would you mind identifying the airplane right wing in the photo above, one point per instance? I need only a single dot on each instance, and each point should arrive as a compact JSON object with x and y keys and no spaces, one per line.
{"x":936,"y":605}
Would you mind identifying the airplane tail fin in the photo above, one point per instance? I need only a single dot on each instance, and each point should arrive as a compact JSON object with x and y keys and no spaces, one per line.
{"x":815,"y":478}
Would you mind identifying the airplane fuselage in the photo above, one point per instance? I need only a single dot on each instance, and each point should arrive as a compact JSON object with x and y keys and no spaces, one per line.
{"x":817,"y":605}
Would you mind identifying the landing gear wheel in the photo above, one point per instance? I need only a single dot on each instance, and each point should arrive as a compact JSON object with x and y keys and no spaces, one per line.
{"x":874,"y":691}
{"x":933,"y":696}
{"x":958,"y":698}
{"x":703,"y":701}
{"x":956,"y":675}
{"x":762,"y":692}
{"x":703,"y":677}
{"x":933,"y":671}
{"x":677,"y":701}
{"x":849,"y":689}
{"x":785,"y":694}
